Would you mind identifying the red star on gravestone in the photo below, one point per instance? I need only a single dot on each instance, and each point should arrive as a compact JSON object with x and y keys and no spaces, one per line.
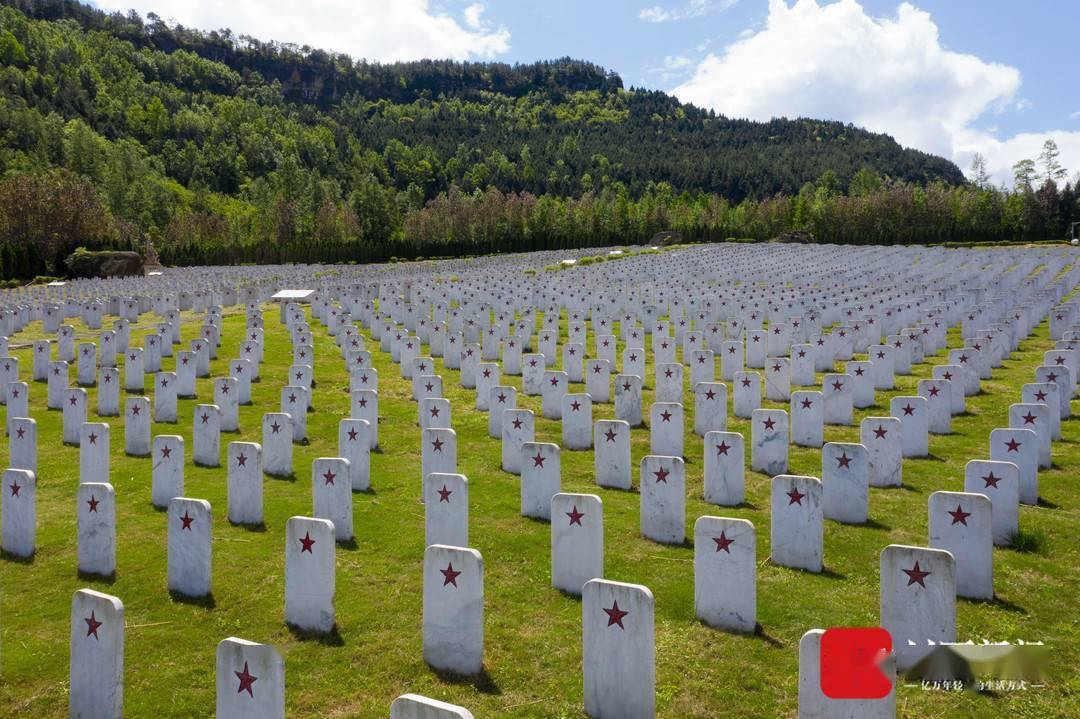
{"x":437,"y":445}
{"x":15,"y":487}
{"x":908,"y":410}
{"x":615,"y":615}
{"x":626,"y":386}
{"x":959,"y":516}
{"x":1040,"y":396}
{"x":205,"y":418}
{"x":837,"y":385}
{"x":538,"y":460}
{"x":795,"y":497}
{"x":661,"y":475}
{"x":186,"y":520}
{"x":722,"y":543}
{"x":444,"y":494}
{"x":844,"y":461}
{"x":275,"y":428}
{"x":575,"y":516}
{"x":329,"y":477}
{"x":668,"y":373}
{"x":916,"y":575}
{"x":449,"y":575}
{"x":806,"y":403}
{"x":92,"y":503}
{"x":517,"y":423}
{"x":20,"y":432}
{"x":709,"y":394}
{"x":1028,"y":418}
{"x":554,"y":382}
{"x":246,"y":681}
{"x":1013,"y":445}
{"x":769,"y":423}
{"x":731,"y":350}
{"x":306,"y":543}
{"x":990,"y":480}
{"x":92,"y":625}
{"x":74,"y":400}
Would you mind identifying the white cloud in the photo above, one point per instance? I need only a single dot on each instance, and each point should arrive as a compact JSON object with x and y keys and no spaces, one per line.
{"x":693,"y":9}
{"x":1074,"y":115}
{"x":385,"y":30}
{"x":886,"y":74}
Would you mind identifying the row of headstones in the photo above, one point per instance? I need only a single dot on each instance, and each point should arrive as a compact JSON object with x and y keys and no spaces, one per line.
{"x":246,"y":464}
{"x":249,"y":677}
{"x":917,"y":607}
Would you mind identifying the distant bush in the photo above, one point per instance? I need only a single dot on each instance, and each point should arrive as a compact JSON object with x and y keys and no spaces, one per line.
{"x":109,"y":263}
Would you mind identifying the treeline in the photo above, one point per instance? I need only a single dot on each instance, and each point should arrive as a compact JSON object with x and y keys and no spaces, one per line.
{"x":225,"y":149}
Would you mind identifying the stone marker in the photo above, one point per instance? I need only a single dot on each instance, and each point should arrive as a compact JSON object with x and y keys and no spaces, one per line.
{"x":365,"y":406}
{"x":206,"y":436}
{"x":914,"y":425}
{"x":724,"y":478}
{"x":96,"y":681}
{"x":960,"y":524}
{"x":500,"y":399}
{"x":725,"y":567}
{"x":227,"y":398}
{"x":94,"y":452}
{"x":796,"y":532}
{"x":746,"y":394}
{"x":97,"y":529}
{"x":554,"y":386}
{"x":577,"y":424}
{"x":611,"y":458}
{"x":918,"y":600}
{"x":666,"y":429}
{"x":540,"y":478}
{"x":663,"y":499}
{"x":454,"y":609}
{"x":295,"y":401}
{"x":18,"y":512}
{"x":165,"y":397}
{"x":74,"y":414}
{"x":577,"y":541}
{"x":845,"y":474}
{"x":22,"y":443}
{"x":277,"y":444}
{"x":414,"y":706}
{"x":1000,"y":481}
{"x":250,"y":680}
{"x":245,"y":483}
{"x":619,"y":650}
{"x":446,"y":509}
{"x":881,"y":437}
{"x":189,"y":547}
{"x":1019,"y":446}
{"x":137,"y":426}
{"x":777,"y":379}
{"x":710,"y":408}
{"x":1035,"y":417}
{"x":807,"y":418}
{"x":355,"y":447}
{"x":938,"y":396}
{"x":309,"y":574}
{"x":814,"y":704}
{"x":331,"y":495}
{"x":628,"y":399}
{"x":438,"y":452}
{"x":838,"y":397}
{"x":517,"y":429}
{"x":769,"y":441}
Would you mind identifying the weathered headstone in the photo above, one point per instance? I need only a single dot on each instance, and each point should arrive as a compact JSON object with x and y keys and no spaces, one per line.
{"x":960,"y":524}
{"x":725,"y":573}
{"x":96,"y":681}
{"x":250,"y":680}
{"x":918,"y":600}
{"x":189,"y":547}
{"x":331,"y":495}
{"x":454,"y":609}
{"x":796,"y":531}
{"x":619,"y":650}
{"x":97,"y":529}
{"x":309,"y":574}
{"x":577,"y":541}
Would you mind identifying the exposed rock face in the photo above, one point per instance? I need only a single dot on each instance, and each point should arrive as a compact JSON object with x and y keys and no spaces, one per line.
{"x":104,"y":264}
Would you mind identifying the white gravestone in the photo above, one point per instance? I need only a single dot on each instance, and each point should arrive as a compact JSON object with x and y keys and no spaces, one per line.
{"x":74,"y":414}
{"x":414,"y":706}
{"x":710,"y":408}
{"x":355,"y":446}
{"x":769,"y":441}
{"x":1019,"y":446}
{"x":540,"y":478}
{"x":611,"y":458}
{"x":309,"y":574}
{"x":1000,"y":481}
{"x":960,"y":523}
{"x":94,"y":446}
{"x":165,"y":397}
{"x":227,"y":398}
{"x":22,"y":444}
{"x":628,"y":399}
{"x":914,"y":426}
{"x":331,"y":495}
{"x":619,"y":650}
{"x":277,"y":444}
{"x":577,"y":424}
{"x":500,"y":399}
{"x":446,"y":509}
{"x":245,"y":483}
{"x":438,"y":452}
{"x":18,"y":512}
{"x":796,"y":532}
{"x":1035,"y":417}
{"x":746,"y":394}
{"x":724,"y":478}
{"x":882,"y":438}
{"x":663,"y":499}
{"x":97,"y":529}
{"x":725,"y":573}
{"x":365,"y":406}
{"x":807,"y":418}
{"x":845,"y":479}
{"x":250,"y":680}
{"x":554,"y":386}
{"x":666,"y":429}
{"x":454,"y":609}
{"x":918,"y":600}
{"x":777,"y":379}
{"x":517,"y":429}
{"x":96,"y":681}
{"x":577,"y":541}
{"x":189,"y":547}
{"x":206,"y":436}
{"x":838,"y":397}
{"x":938,"y":396}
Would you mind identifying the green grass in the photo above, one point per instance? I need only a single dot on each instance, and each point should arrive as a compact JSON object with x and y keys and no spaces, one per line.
{"x":532,"y":632}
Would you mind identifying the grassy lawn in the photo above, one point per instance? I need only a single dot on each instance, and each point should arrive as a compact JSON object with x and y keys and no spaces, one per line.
{"x":532,"y":632}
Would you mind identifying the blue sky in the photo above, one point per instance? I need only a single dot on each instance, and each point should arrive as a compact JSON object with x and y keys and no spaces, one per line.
{"x":949,"y":77}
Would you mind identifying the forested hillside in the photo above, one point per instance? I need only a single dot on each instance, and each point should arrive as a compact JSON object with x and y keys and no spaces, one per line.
{"x":224,"y":148}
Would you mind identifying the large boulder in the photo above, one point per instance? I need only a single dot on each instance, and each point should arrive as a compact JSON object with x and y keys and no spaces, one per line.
{"x":110,"y":263}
